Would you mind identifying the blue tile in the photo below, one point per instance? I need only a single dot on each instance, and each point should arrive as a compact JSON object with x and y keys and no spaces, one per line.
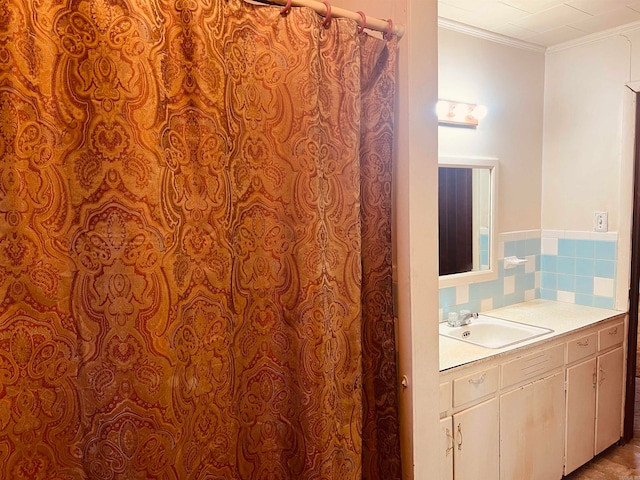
{"x":548,"y":294}
{"x":548,"y":263}
{"x":481,"y":290}
{"x":584,"y":285}
{"x":513,"y":298}
{"x":585,"y":267}
{"x":538,"y":261}
{"x":521,"y":248}
{"x":585,"y":249}
{"x":566,"y":247}
{"x":584,"y":299}
{"x":529,"y":281}
{"x":603,"y":302}
{"x":484,"y":241}
{"x":549,"y":280}
{"x":605,"y":250}
{"x":532,"y":246}
{"x":510,"y":249}
{"x":566,"y":282}
{"x":566,"y":265}
{"x":484,"y":257}
{"x":447,"y":296}
{"x":605,"y":269}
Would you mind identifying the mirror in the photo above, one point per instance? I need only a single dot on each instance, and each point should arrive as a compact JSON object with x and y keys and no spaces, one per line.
{"x":467,"y":219}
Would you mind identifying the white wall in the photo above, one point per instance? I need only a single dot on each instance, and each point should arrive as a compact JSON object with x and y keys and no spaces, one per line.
{"x":588,"y":140}
{"x":583,"y":134}
{"x":509,"y":81}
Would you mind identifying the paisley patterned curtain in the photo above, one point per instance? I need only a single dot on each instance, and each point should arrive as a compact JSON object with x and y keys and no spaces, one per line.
{"x":195,"y":243}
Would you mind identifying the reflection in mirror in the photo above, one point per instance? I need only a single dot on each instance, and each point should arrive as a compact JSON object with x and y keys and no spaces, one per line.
{"x":466,"y":213}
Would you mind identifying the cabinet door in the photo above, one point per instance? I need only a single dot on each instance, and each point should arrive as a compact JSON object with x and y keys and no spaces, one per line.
{"x":532,"y":431}
{"x":446,"y":448}
{"x":476,"y":434}
{"x":581,"y":411}
{"x":609,"y":399}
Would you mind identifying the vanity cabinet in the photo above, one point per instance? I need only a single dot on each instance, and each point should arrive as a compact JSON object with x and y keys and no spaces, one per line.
{"x":469,"y":443}
{"x":532,"y":430}
{"x":536,"y":413}
{"x":476,"y":442}
{"x":581,"y":414}
{"x":594,"y":400}
{"x":609,"y":399}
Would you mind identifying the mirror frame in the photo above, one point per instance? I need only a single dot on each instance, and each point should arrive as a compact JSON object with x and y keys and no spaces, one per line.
{"x":490,"y":163}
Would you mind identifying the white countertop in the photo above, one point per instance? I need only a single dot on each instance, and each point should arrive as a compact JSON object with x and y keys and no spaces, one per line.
{"x":561,"y":317}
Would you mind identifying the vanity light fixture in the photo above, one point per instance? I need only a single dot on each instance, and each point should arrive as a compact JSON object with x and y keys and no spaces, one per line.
{"x":459,"y":114}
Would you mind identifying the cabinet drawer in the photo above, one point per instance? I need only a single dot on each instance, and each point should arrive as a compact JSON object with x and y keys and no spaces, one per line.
{"x":582,"y":347}
{"x":532,"y":366}
{"x":473,"y":387}
{"x":610,"y":336}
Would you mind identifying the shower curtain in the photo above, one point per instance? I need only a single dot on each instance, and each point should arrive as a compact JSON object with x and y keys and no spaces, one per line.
{"x":195,"y":243}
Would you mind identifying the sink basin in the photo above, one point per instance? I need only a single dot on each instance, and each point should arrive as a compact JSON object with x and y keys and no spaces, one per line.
{"x":491,"y":332}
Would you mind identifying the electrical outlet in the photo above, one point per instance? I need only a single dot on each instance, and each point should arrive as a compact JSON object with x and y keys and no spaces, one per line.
{"x":601,"y":222}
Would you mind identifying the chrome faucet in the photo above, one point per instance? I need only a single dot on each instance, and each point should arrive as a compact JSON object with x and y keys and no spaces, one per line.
{"x":466,"y":318}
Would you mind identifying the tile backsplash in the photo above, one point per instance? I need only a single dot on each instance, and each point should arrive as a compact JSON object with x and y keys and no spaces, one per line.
{"x":567,"y":266}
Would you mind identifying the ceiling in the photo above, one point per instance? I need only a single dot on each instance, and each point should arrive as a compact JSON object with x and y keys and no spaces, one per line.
{"x":542,"y":22}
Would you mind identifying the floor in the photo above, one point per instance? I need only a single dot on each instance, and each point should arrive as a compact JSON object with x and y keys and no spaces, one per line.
{"x":616,"y":463}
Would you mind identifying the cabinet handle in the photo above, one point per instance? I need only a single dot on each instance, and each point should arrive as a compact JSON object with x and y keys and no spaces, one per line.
{"x":452,"y":441}
{"x":595,"y":378}
{"x":613,"y":331}
{"x":603,"y":376}
{"x":583,"y":343}
{"x":459,"y":436}
{"x":478,"y":381}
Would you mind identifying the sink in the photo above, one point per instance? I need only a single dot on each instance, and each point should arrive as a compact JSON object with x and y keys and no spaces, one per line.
{"x":491,"y":332}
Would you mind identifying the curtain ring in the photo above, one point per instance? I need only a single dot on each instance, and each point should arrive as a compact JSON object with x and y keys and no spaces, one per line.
{"x":286,"y":8}
{"x":327,"y":20}
{"x":364,"y":21}
{"x":389,"y":34}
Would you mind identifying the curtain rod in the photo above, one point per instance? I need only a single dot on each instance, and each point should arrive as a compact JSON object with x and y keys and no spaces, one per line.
{"x":321,"y":8}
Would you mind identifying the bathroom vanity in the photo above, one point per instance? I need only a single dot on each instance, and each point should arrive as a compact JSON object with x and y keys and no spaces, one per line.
{"x":537,"y":409}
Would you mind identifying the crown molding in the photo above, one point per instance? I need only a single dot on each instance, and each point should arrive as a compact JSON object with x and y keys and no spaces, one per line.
{"x":487,"y":35}
{"x":594,"y":37}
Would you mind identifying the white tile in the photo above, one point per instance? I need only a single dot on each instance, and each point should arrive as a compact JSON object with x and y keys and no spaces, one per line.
{"x":469,"y":5}
{"x":462,"y":294}
{"x":530,"y":266}
{"x":529,"y":295}
{"x":597,"y":7}
{"x":607,"y":20}
{"x":553,"y":233}
{"x":440,"y":315}
{"x":606,"y":236}
{"x":552,"y":18}
{"x":486,"y":304}
{"x":538,"y":277}
{"x":555,"y":36}
{"x":603,"y":287}
{"x":513,"y":31}
{"x":566,"y":297}
{"x":509,"y":285}
{"x":454,"y":13}
{"x":500,"y":250}
{"x":549,"y":246}
{"x":578,"y":235}
{"x":533,"y":6}
{"x":496,"y":13}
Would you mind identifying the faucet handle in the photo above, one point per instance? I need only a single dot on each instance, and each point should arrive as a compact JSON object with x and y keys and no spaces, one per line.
{"x":453,"y":320}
